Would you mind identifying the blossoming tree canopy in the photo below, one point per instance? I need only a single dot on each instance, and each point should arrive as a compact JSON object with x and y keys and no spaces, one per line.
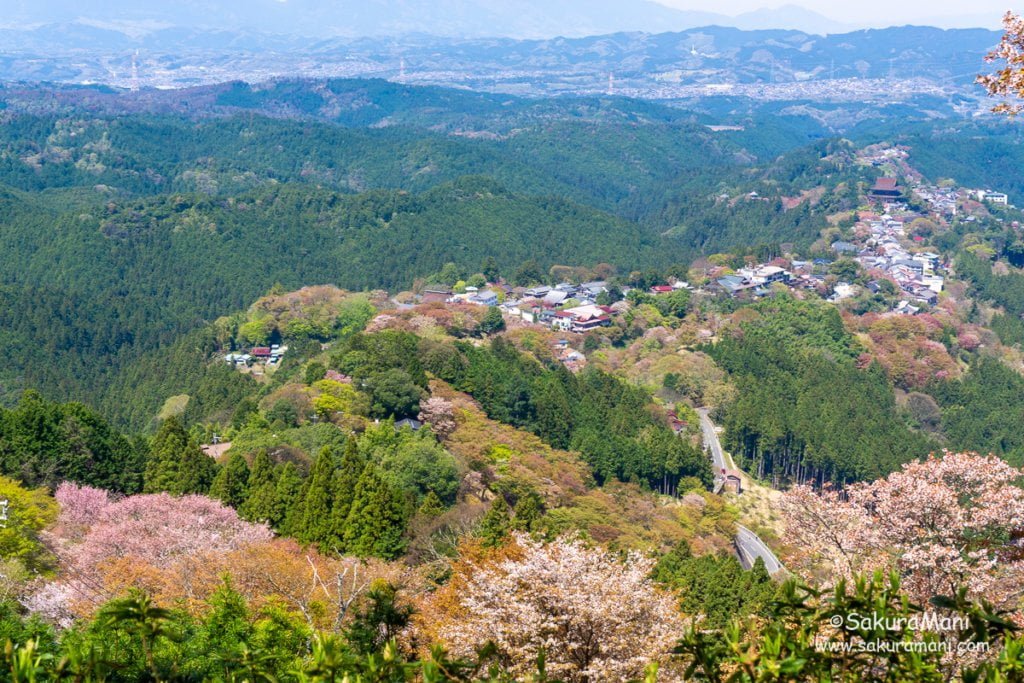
{"x":93,"y":534}
{"x":1007,"y":82}
{"x":155,"y":528}
{"x":948,"y":521}
{"x":595,"y":617}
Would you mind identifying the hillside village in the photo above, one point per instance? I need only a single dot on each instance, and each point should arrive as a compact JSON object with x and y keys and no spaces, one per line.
{"x":886,"y":251}
{"x":883,"y":256}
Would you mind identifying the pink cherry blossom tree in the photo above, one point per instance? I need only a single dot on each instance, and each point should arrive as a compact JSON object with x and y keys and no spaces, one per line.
{"x":440,"y":415}
{"x":954,"y":519}
{"x":1008,"y":81}
{"x":155,"y":531}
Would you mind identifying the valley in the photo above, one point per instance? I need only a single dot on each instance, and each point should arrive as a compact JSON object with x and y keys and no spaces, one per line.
{"x":485,"y":373}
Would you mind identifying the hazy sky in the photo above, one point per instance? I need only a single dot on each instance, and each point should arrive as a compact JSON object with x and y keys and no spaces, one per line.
{"x":882,"y":12}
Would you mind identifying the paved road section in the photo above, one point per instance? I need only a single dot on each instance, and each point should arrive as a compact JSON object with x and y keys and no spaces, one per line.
{"x":749,"y":547}
{"x":707,"y":427}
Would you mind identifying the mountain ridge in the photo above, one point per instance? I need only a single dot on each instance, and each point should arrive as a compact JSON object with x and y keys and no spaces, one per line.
{"x":521,"y":19}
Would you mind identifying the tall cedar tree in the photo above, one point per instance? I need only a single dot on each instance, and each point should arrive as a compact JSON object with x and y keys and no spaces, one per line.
{"x":43,"y":444}
{"x":291,"y":499}
{"x":529,"y":508}
{"x":231,"y":485}
{"x":432,"y":506}
{"x":346,"y":479}
{"x":377,"y":520}
{"x":176,"y":463}
{"x":496,"y":524}
{"x":319,"y":499}
{"x":554,"y":412}
{"x":261,"y":503}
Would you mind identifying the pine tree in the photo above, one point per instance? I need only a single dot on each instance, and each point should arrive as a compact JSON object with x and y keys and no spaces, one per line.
{"x":261,"y":503}
{"x":496,"y":524}
{"x":376,"y":522}
{"x":231,"y":485}
{"x":346,"y":478}
{"x":316,"y":517}
{"x":176,"y":463}
{"x":490,"y":269}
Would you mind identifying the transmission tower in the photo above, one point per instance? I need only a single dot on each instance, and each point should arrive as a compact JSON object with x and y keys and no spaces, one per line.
{"x":134,"y":84}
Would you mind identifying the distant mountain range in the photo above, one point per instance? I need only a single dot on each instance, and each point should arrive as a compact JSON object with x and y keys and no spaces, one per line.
{"x":360,"y":18}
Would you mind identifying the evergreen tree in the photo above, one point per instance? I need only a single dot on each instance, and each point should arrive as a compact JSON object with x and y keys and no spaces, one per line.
{"x":261,"y":503}
{"x":319,"y":499}
{"x":376,"y":522}
{"x":198,"y":471}
{"x":554,"y":413}
{"x":346,"y":478}
{"x":496,"y":524}
{"x":715,"y":586}
{"x":432,"y":506}
{"x":225,"y":627}
{"x":490,"y":269}
{"x":493,"y":321}
{"x":528,"y":510}
{"x":176,"y":463}
{"x":315,"y":372}
{"x":289,"y":506}
{"x":231,"y":485}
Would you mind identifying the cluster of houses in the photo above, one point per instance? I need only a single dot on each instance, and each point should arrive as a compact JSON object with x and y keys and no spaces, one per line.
{"x":916,"y":274}
{"x":568,"y":356}
{"x":755,"y":279}
{"x":943,"y":200}
{"x":263,"y":355}
{"x":990,"y":196}
{"x":879,"y":251}
{"x":541,"y":305}
{"x":940,"y":200}
{"x":550,"y":306}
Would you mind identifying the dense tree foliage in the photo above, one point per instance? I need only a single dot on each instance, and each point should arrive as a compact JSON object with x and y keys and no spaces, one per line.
{"x":43,"y":444}
{"x":1005,"y":290}
{"x":606,"y":419}
{"x":983,"y":410}
{"x":804,"y":409}
{"x":238,"y":203}
{"x":715,"y":588}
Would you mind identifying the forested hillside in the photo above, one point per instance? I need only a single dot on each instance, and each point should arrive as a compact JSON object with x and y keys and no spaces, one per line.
{"x":125,"y":233}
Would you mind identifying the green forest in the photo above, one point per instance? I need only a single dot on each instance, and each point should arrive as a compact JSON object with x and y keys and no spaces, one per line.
{"x":239,"y":203}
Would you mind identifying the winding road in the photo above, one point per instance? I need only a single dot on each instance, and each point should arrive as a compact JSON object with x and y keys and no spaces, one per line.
{"x":711,"y":442}
{"x":749,"y":545}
